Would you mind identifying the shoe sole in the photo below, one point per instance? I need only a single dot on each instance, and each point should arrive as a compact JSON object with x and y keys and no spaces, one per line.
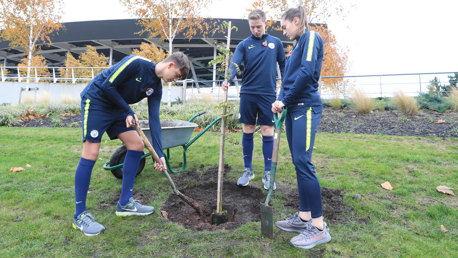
{"x":131,"y":213}
{"x":321,"y":241}
{"x":87,"y":234}
{"x":246,"y":183}
{"x":290,"y":229}
{"x":275,"y":187}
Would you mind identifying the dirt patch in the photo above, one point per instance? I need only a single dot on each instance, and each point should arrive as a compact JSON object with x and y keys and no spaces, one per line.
{"x":334,"y":209}
{"x":391,"y":122}
{"x":241,"y":203}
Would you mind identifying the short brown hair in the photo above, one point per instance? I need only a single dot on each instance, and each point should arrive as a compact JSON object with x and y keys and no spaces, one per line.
{"x":257,"y":14}
{"x":181,"y":62}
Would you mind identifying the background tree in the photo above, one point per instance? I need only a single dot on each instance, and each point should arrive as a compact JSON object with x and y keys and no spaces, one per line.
{"x":40,"y":67}
{"x":151,"y":52}
{"x":167,"y":18}
{"x":26,"y":22}
{"x":89,"y":58}
{"x":335,"y":62}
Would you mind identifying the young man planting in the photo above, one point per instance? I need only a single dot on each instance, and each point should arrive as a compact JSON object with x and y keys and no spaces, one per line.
{"x":105,"y":108}
{"x":260,"y":54}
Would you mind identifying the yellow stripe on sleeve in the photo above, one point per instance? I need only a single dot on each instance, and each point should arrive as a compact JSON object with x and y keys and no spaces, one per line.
{"x":113,"y":77}
{"x":310,"y":49}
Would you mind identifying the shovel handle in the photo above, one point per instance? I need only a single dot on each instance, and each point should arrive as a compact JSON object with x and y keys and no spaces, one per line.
{"x":148,"y":144}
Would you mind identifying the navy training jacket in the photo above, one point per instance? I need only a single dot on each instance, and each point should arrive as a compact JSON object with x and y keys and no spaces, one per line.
{"x":260,"y":57}
{"x":302,"y":72}
{"x":128,"y":82}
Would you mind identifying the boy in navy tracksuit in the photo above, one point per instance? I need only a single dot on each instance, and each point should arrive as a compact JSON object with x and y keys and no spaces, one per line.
{"x":299,"y":93}
{"x":105,"y":108}
{"x":260,"y":54}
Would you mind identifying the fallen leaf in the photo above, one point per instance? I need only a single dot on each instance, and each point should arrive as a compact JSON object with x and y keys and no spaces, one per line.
{"x":445,"y":189}
{"x":166,"y":237}
{"x":165,"y":215}
{"x":387,"y":186}
{"x":444,"y":229}
{"x":267,"y":245}
{"x":89,"y":191}
{"x":16,"y":169}
{"x":28,"y":166}
{"x":440,"y":121}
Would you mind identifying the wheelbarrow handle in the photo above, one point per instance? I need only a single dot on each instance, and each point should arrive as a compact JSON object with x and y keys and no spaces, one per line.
{"x":279,"y":121}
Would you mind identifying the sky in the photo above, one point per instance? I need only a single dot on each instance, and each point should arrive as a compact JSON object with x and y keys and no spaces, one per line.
{"x":382,"y":37}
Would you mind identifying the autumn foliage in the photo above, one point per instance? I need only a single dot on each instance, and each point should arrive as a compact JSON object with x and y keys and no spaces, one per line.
{"x":90,"y":58}
{"x":151,"y":52}
{"x":39,"y":67}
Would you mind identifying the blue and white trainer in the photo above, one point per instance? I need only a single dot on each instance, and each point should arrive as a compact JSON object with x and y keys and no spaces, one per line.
{"x":312,"y":237}
{"x":133,"y":207}
{"x":247,"y":175}
{"x":266,"y":180}
{"x":86,"y":223}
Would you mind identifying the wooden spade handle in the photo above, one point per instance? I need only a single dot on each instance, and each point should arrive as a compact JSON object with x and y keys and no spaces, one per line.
{"x":148,"y":144}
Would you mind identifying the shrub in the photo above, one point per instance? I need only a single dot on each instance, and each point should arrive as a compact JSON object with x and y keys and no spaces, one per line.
{"x":361,"y":103}
{"x":433,"y":102}
{"x":407,"y":105}
{"x":335,"y":103}
{"x":453,"y":98}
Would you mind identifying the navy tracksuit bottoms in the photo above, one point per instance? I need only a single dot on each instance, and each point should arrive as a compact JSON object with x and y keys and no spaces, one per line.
{"x":301,"y":126}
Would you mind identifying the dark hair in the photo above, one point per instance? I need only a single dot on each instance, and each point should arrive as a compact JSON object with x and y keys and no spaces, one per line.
{"x":181,"y":62}
{"x":298,"y":12}
{"x":257,"y":14}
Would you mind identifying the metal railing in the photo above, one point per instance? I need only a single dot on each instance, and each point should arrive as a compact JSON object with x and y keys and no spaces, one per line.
{"x":375,"y":85}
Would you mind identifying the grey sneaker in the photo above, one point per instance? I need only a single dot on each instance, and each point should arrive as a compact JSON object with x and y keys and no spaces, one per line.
{"x":133,"y":208}
{"x":311,"y":237}
{"x":294,"y":224}
{"x":86,"y":223}
{"x":266,"y":180}
{"x":247,"y":175}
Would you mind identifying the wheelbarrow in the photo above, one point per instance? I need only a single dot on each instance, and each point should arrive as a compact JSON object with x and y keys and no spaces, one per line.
{"x":174,"y":133}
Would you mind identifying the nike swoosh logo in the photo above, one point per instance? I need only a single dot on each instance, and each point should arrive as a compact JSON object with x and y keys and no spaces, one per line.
{"x":79,"y":202}
{"x":298,"y":117}
{"x":138,"y":79}
{"x":134,"y":209}
{"x":318,"y":237}
{"x":251,"y":46}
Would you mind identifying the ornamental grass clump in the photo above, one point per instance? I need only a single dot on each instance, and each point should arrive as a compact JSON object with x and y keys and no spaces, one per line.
{"x":407,"y":105}
{"x":453,"y":98}
{"x":361,"y":103}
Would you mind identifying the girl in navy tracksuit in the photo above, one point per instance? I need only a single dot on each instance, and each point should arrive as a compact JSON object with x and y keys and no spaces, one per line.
{"x":299,"y":94}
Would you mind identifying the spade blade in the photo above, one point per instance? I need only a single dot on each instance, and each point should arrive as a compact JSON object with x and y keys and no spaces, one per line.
{"x":267,"y":226}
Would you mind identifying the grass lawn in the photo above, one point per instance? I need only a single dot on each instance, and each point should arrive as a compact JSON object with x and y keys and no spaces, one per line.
{"x":36,"y":205}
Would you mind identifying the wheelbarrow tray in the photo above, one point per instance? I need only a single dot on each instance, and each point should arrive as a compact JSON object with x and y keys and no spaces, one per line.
{"x":174,"y":132}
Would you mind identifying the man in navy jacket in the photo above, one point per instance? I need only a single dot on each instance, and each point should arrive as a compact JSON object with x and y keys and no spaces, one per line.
{"x":259,"y":55}
{"x":105,"y":108}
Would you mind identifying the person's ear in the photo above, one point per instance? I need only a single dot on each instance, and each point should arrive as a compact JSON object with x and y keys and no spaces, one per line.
{"x":296,"y":20}
{"x":170,"y":64}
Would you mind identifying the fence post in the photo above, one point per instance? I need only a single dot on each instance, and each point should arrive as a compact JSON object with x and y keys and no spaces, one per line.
{"x":73,"y":76}
{"x":381,"y":91}
{"x":92,"y":71}
{"x":36,"y":75}
{"x":18,"y":74}
{"x":419,"y":79}
{"x":54,"y":79}
{"x":3,"y":77}
{"x":183,"y":95}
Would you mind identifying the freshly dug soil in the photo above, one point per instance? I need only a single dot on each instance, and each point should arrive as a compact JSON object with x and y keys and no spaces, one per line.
{"x":241,"y":203}
{"x":391,"y":122}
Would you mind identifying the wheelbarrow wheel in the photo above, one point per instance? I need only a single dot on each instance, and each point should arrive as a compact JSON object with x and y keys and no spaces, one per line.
{"x":118,"y":157}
